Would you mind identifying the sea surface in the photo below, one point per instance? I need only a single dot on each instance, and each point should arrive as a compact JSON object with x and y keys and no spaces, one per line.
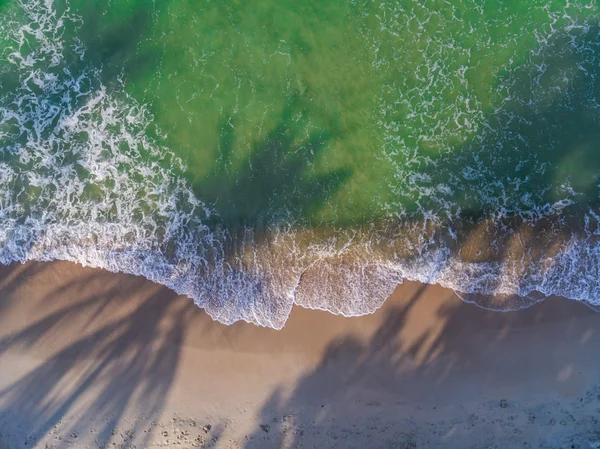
{"x":256,"y":155}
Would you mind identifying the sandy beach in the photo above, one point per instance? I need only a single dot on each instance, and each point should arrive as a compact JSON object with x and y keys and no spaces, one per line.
{"x":95,"y":359}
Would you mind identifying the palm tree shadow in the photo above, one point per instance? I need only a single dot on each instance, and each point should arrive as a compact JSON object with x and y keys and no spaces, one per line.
{"x":348,"y":366}
{"x":526,"y":185}
{"x":340,"y":398}
{"x":276,"y":182}
{"x":542,"y":145}
{"x":127,"y":364}
{"x":116,"y":47}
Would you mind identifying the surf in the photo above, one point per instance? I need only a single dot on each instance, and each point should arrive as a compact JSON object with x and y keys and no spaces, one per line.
{"x":481,"y":192}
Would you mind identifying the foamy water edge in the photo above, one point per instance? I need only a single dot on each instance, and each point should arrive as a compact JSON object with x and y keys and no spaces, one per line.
{"x":79,"y":154}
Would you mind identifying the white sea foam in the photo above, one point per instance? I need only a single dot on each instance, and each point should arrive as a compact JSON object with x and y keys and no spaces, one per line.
{"x":80,"y":180}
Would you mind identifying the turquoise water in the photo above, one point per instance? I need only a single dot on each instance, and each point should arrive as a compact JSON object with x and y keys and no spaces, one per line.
{"x":253,"y":156}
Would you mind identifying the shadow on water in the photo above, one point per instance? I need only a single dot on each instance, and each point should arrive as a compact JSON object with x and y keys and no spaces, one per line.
{"x":542,"y":145}
{"x":526,"y":184}
{"x":276,"y":181}
{"x":91,"y":41}
{"x":539,"y":148}
{"x":125,"y":364}
{"x":529,"y":152}
{"x":111,"y":39}
{"x":113,"y":43}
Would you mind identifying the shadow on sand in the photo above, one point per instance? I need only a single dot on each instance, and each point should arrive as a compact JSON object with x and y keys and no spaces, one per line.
{"x":108,"y":377}
{"x":126,"y":363}
{"x":393,"y":389}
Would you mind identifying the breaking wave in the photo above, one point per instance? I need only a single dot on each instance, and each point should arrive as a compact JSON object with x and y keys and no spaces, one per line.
{"x":84,"y":177}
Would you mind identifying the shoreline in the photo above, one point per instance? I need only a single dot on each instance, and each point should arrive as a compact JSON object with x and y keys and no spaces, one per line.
{"x":89,"y":358}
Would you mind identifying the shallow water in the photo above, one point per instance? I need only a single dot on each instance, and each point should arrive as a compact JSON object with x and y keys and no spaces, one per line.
{"x":318,"y":153}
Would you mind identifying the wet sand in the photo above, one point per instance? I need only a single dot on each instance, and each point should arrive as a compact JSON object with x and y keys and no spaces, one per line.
{"x":95,"y":359}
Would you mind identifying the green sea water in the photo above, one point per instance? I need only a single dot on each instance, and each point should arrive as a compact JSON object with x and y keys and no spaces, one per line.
{"x":280,"y":108}
{"x":384,"y":132}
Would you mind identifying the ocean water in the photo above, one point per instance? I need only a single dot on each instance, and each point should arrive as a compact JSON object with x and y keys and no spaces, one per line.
{"x":256,"y":155}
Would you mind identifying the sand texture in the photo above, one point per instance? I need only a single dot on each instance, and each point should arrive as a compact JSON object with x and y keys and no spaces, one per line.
{"x":93,"y":359}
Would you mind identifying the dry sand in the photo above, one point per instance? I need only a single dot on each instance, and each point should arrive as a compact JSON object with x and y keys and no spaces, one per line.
{"x":93,"y":359}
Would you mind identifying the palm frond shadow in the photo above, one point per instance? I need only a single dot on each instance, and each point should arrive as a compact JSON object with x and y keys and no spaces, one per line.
{"x":542,"y":144}
{"x":339,"y":398}
{"x":127,"y":364}
{"x":276,"y":181}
